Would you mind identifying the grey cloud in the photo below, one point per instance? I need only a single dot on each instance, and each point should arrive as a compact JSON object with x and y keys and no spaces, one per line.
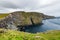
{"x":7,"y":5}
{"x":19,"y":4}
{"x":49,"y":9}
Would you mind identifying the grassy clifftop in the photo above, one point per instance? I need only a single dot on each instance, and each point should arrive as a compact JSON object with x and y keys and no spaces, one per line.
{"x":3,"y":15}
{"x":17,"y":35}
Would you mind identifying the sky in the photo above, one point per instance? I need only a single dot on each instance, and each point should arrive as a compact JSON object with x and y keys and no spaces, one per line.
{"x":48,"y":7}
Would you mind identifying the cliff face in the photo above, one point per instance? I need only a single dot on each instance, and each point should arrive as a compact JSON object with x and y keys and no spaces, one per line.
{"x":21,"y":18}
{"x":25,"y":18}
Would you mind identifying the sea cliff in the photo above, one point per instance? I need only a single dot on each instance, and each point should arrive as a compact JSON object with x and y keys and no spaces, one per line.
{"x":20,"y":19}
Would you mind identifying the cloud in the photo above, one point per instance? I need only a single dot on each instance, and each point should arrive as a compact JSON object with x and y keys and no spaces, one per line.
{"x":49,"y":7}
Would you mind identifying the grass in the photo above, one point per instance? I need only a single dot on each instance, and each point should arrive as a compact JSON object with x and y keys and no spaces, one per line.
{"x":17,"y":35}
{"x":3,"y":15}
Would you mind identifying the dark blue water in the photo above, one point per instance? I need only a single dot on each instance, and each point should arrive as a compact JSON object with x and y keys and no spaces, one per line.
{"x":50,"y":24}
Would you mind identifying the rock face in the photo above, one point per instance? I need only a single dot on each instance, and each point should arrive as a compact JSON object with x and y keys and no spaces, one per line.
{"x":21,"y":18}
{"x":25,"y":18}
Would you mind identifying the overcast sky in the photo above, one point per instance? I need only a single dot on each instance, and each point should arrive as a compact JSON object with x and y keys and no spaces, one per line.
{"x":49,"y":7}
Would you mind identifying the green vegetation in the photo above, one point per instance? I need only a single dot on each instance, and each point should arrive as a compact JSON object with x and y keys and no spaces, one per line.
{"x":17,"y":35}
{"x":3,"y":15}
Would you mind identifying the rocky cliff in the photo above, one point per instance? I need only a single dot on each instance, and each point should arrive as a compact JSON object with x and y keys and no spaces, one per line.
{"x":21,"y":18}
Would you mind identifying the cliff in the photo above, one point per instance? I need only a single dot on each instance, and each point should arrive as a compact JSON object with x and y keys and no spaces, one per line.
{"x":21,"y":18}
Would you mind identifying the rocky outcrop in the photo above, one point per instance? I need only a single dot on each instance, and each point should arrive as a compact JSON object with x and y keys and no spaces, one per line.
{"x":20,"y":18}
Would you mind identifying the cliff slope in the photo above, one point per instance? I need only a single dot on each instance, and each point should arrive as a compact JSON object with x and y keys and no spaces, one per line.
{"x":22,"y":18}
